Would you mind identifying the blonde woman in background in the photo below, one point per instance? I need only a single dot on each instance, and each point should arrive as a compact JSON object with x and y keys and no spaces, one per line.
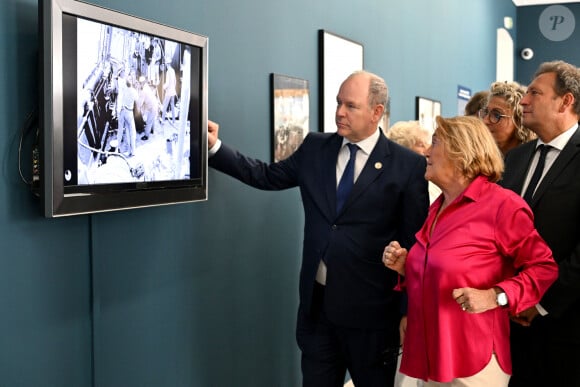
{"x":412,"y":135}
{"x":503,"y":115}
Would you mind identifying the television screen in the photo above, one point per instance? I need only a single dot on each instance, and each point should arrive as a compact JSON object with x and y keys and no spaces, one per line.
{"x":124,"y":111}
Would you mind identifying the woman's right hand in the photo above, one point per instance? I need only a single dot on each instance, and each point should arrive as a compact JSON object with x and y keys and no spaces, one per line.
{"x":394,"y":257}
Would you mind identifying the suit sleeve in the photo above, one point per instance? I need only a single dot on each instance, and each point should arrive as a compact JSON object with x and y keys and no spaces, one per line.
{"x":415,"y":204}
{"x":565,"y":292}
{"x":413,"y":215}
{"x":256,"y":173}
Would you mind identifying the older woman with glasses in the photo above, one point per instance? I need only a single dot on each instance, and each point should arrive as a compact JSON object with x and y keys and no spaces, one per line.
{"x":477,"y":260}
{"x":503,"y":115}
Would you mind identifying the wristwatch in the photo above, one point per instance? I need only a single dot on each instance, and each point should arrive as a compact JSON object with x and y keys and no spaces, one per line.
{"x":501,"y":299}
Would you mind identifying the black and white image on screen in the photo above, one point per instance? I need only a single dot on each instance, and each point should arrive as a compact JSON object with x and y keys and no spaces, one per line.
{"x":133,"y":95}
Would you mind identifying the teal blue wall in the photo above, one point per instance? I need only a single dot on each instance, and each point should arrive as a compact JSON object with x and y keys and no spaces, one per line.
{"x":201,"y":294}
{"x":544,"y":49}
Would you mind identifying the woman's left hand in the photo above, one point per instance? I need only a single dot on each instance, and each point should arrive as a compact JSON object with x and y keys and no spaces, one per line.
{"x":472,"y":300}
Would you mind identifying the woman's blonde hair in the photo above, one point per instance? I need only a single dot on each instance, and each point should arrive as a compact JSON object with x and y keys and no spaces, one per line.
{"x":407,"y":133}
{"x":470,"y":147}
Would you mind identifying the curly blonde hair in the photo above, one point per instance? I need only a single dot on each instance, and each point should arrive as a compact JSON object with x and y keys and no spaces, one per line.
{"x":470,"y":146}
{"x":512,"y":93}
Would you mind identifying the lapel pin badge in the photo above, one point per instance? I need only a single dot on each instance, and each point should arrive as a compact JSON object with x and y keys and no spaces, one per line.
{"x":378,"y":165}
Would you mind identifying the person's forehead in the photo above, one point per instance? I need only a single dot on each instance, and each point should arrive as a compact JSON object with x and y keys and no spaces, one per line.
{"x":355,"y":86}
{"x":498,"y":101}
{"x":357,"y":81}
{"x":545,"y":80}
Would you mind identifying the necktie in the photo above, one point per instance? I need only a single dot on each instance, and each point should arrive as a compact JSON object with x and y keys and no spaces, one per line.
{"x":347,"y":179}
{"x":537,"y":173}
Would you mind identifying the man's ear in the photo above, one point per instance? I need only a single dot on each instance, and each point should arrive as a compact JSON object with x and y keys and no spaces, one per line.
{"x":567,"y":101}
{"x":378,"y":111}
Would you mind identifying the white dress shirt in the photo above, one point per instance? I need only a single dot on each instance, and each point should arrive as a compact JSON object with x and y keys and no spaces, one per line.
{"x":557,"y":145}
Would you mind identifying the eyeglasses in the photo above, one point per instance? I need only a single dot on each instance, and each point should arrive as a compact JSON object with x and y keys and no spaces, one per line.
{"x":494,"y":115}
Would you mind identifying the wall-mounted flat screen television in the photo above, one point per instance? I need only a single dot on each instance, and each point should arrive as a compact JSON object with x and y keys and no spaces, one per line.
{"x":123,"y":117}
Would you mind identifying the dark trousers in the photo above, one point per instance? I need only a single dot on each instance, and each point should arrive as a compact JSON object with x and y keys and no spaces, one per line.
{"x":328,"y":351}
{"x":542,"y":360}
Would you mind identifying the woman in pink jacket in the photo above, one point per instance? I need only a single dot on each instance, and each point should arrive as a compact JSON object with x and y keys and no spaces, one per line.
{"x":477,"y":260}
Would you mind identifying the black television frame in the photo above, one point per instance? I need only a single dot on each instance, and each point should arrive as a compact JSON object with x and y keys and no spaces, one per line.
{"x":58,"y":199}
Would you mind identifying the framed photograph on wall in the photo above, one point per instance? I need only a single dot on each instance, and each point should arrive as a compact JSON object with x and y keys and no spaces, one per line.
{"x":426,"y":110}
{"x":338,"y":58}
{"x":290,"y":114}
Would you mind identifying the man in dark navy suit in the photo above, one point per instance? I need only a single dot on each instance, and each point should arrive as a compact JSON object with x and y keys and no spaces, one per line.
{"x":349,"y":315}
{"x":546,"y":349}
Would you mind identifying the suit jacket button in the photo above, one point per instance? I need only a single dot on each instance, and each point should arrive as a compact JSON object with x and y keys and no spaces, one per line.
{"x":334,"y":227}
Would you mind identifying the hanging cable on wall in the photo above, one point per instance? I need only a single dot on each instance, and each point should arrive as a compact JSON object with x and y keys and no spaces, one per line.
{"x":30,"y":127}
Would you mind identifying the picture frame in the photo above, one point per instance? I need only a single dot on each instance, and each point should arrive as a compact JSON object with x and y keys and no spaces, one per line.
{"x":290,"y":112}
{"x":338,"y":58}
{"x":426,"y":110}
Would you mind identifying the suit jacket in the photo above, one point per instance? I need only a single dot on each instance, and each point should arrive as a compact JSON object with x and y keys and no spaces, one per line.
{"x":556,"y":208}
{"x":388,"y":202}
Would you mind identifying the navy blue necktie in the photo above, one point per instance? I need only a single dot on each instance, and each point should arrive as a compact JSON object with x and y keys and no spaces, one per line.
{"x":537,"y":173}
{"x":347,"y":179}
